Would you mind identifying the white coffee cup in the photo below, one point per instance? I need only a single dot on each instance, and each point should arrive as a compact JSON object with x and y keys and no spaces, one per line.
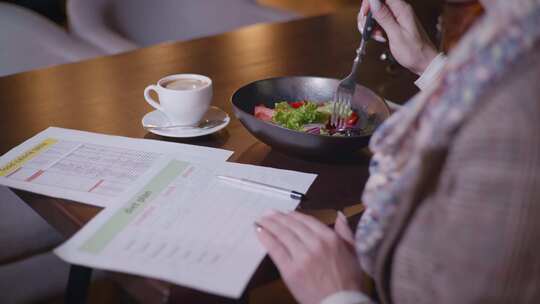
{"x":183,"y":98}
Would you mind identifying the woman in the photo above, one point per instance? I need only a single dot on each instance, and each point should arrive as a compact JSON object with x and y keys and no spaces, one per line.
{"x":453,"y":200}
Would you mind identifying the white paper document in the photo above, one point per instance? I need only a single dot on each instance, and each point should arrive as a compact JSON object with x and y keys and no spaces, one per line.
{"x":186,"y":226}
{"x":90,"y":168}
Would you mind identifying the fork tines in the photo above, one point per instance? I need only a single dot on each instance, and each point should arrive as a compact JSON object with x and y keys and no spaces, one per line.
{"x":342,"y":104}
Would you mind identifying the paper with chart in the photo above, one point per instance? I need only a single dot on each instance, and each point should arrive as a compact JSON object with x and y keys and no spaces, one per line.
{"x":186,"y":226}
{"x":88,"y":167}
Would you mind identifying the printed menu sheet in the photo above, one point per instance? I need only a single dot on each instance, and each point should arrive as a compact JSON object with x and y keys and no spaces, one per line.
{"x":88,"y":167}
{"x":186,"y":226}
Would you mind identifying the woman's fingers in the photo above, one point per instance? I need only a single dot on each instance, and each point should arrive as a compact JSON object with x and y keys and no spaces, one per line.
{"x":402,"y":11}
{"x":342,"y":229}
{"x":377,"y":34}
{"x":384,"y":17}
{"x":283,"y":233}
{"x":304,"y":233}
{"x":310,"y":274}
{"x":277,"y":251}
{"x":364,"y":9}
{"x":315,"y":225}
{"x":289,"y":236}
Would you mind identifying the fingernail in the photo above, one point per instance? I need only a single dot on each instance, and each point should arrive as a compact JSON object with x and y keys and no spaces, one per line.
{"x":258,"y":227}
{"x":375,"y":5}
{"x":379,"y":38}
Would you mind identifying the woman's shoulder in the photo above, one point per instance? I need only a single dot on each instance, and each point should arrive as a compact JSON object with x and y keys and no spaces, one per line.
{"x":496,"y":153}
{"x":510,"y":111}
{"x":475,"y":231}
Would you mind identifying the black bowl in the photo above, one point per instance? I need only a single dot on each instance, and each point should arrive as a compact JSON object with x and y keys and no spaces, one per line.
{"x":316,"y":89}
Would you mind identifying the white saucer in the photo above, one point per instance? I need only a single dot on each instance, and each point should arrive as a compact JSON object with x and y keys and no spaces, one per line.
{"x":157,"y":118}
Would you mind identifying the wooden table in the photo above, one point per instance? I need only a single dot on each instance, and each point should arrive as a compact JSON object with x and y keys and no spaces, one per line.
{"x":310,"y":7}
{"x":105,"y":95}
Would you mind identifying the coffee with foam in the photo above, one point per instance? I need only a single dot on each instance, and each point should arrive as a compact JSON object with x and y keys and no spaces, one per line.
{"x":184,"y":84}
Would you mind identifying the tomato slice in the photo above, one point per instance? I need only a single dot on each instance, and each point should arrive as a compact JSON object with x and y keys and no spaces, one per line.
{"x":296,"y":104}
{"x":263,"y":113}
{"x":352,"y":120}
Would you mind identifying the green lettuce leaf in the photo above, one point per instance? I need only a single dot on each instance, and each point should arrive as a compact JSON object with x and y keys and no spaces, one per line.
{"x":295,"y":119}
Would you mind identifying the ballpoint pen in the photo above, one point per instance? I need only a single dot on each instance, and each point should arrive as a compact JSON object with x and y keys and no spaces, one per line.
{"x":254,"y":184}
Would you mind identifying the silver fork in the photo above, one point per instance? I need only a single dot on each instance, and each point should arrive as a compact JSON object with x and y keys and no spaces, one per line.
{"x":347,"y":86}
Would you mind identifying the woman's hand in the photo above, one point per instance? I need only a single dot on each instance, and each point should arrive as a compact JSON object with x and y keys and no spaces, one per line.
{"x":314,"y":260}
{"x":409,"y":43}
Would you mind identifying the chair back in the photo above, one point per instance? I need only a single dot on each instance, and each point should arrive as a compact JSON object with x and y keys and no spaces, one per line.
{"x":29,"y":41}
{"x":147,"y":22}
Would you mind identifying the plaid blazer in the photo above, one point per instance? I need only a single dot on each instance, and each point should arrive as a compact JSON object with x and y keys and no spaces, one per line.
{"x":470,"y":231}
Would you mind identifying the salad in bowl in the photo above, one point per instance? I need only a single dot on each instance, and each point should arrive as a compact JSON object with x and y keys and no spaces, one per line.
{"x":292,"y":114}
{"x":311,"y":117}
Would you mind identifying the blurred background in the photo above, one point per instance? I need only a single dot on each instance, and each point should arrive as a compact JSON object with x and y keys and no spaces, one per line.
{"x":40,"y":33}
{"x":55,"y":9}
{"x":52,"y":9}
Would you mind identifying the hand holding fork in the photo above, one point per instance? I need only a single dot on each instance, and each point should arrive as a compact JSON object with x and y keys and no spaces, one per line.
{"x":347,"y":86}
